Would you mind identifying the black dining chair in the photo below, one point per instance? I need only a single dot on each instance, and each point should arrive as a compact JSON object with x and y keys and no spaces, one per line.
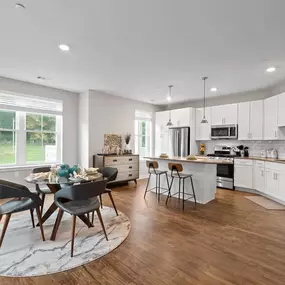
{"x":110,"y":174}
{"x":42,"y":190}
{"x":22,"y":200}
{"x":79,"y":200}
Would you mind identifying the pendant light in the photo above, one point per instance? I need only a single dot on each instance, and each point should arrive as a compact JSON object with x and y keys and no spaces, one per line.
{"x":169,"y":123}
{"x":204,"y":120}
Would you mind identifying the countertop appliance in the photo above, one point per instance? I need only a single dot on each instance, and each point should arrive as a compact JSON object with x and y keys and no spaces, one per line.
{"x":179,"y":141}
{"x":272,"y":153}
{"x":225,"y":172}
{"x":224,"y":132}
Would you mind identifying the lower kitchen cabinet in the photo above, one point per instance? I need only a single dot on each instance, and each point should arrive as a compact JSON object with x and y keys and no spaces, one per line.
{"x":259,"y":176}
{"x":243,"y":173}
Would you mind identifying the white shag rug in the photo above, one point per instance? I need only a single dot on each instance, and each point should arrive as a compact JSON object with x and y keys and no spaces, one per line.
{"x":23,"y":253}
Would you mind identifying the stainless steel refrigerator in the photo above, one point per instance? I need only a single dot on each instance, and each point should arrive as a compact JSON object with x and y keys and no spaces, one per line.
{"x":179,"y":141}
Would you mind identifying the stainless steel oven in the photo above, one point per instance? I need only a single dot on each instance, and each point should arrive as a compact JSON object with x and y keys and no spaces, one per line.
{"x":224,"y":132}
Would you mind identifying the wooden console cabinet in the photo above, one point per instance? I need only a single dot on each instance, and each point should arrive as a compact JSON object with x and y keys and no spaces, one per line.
{"x":127,"y":165}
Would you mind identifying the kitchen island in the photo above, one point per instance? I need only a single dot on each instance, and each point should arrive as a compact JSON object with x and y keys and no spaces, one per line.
{"x":204,"y":172}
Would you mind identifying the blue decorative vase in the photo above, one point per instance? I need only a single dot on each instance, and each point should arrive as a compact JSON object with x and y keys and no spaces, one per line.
{"x":63,"y":171}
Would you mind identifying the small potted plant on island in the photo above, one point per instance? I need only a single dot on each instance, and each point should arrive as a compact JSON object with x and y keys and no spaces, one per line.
{"x":127,"y":149}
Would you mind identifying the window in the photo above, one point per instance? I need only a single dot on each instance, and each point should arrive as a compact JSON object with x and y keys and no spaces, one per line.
{"x":143,"y":127}
{"x":30,"y":131}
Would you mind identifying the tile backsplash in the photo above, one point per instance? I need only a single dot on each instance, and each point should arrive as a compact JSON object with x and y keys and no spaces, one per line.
{"x":255,"y":147}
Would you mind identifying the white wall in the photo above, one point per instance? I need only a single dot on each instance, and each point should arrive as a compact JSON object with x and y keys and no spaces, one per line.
{"x":112,"y":114}
{"x":70,"y":119}
{"x":83,"y":128}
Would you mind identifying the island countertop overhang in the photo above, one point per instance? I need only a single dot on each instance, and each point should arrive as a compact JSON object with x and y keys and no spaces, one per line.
{"x":203,"y":160}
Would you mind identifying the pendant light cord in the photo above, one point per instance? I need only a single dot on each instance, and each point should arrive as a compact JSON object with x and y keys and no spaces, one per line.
{"x":205,"y":78}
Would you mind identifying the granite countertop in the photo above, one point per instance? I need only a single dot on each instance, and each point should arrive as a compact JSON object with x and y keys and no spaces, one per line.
{"x":263,"y":159}
{"x":200,"y":159}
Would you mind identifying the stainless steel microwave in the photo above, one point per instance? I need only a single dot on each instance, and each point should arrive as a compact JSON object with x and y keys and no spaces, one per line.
{"x":224,"y":132}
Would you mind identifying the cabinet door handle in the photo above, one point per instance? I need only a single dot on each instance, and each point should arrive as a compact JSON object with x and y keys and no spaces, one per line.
{"x":276,"y":175}
{"x":224,"y":120}
{"x":262,"y":173}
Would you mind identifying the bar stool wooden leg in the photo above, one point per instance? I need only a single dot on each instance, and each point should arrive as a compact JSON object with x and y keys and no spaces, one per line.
{"x":179,"y":189}
{"x":158,"y":188}
{"x":156,"y":181}
{"x":147,"y":186}
{"x":193,"y":190}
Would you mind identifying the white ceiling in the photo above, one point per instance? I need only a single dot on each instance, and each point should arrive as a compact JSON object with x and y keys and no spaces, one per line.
{"x":135,"y":48}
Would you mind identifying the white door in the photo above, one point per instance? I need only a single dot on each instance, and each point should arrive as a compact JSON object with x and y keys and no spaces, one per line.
{"x":281,"y":113}
{"x":270,"y":118}
{"x":270,"y":182}
{"x":243,"y":176}
{"x":230,"y":114}
{"x":203,"y":131}
{"x":181,"y":117}
{"x":256,"y":120}
{"x":244,"y":121}
{"x":218,"y":115}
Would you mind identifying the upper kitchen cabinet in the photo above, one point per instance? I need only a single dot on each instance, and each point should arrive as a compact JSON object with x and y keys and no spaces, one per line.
{"x":224,"y":115}
{"x":271,"y":130}
{"x":203,"y":131}
{"x":250,"y":120}
{"x":281,"y":113}
{"x":180,"y":117}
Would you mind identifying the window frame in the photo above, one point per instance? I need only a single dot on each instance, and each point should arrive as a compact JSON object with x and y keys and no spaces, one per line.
{"x":147,"y":118}
{"x":20,"y":138}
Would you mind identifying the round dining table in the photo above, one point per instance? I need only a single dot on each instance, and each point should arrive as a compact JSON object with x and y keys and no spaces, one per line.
{"x":55,"y":186}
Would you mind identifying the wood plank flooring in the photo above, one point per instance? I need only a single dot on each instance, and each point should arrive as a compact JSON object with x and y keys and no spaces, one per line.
{"x":228,"y":241}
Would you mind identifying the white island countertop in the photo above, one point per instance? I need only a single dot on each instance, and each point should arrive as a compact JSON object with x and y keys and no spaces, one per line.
{"x":200,"y":159}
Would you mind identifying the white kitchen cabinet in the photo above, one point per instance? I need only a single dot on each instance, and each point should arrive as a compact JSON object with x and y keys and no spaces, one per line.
{"x":180,"y":117}
{"x":161,"y":132}
{"x":244,"y":121}
{"x":275,"y":180}
{"x":281,"y":113}
{"x":243,"y":173}
{"x":203,"y":131}
{"x":250,"y":120}
{"x":224,"y":115}
{"x":271,"y":118}
{"x":259,"y":176}
{"x":256,"y":120}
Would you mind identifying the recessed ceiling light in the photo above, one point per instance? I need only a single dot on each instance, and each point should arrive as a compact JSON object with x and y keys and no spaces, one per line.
{"x":41,"y":78}
{"x":64,"y":47}
{"x":271,"y":69}
{"x":214,"y":89}
{"x":19,"y":5}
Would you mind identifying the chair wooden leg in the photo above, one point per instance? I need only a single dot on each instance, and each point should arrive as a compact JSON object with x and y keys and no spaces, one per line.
{"x":112,"y":200}
{"x":101,"y":221}
{"x":1,"y":217}
{"x":88,"y":216}
{"x":6,"y":222}
{"x":40,"y":222}
{"x":43,"y":202}
{"x":73,"y":234}
{"x":147,"y":186}
{"x":93,"y":217}
{"x":101,"y":203}
{"x":32,"y":217}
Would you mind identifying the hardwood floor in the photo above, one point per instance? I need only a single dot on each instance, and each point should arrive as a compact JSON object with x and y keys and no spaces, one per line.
{"x":228,"y":241}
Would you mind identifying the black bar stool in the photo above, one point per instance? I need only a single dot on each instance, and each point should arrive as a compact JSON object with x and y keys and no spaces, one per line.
{"x":152,"y":166}
{"x":176,"y":172}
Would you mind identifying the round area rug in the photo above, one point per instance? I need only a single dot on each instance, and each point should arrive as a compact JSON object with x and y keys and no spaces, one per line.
{"x":23,"y":253}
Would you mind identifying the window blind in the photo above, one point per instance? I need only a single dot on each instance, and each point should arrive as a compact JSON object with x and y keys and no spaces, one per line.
{"x":30,"y":103}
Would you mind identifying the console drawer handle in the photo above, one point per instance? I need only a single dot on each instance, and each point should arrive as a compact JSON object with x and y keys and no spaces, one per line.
{"x":115,"y":160}
{"x":130,"y":167}
{"x":130,"y":175}
{"x":130,"y":159}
